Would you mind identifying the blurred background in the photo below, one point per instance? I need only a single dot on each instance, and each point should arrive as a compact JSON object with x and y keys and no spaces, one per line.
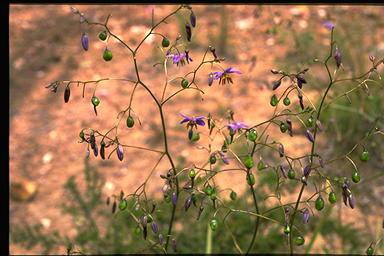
{"x":58,"y":197}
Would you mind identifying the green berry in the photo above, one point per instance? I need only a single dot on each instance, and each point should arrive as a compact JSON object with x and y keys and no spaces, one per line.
{"x":319,"y":203}
{"x":248,"y":162}
{"x":286,"y":101}
{"x":233,"y":195}
{"x":369,"y":250}
{"x":274,"y":100}
{"x":310,"y":121}
{"x":213,"y":224}
{"x":208,"y":190}
{"x":299,"y":240}
{"x":195,"y":137}
{"x":252,"y":135}
{"x":137,"y":230}
{"x":332,"y":197}
{"x":167,"y":198}
{"x":107,"y":55}
{"x":283,"y":127}
{"x":364,"y":156}
{"x":192,"y":173}
{"x":82,"y":136}
{"x":291,"y":174}
{"x":130,"y":122}
{"x":287,"y":229}
{"x":213,"y":195}
{"x":251,"y":179}
{"x":261,"y":165}
{"x":355,"y":177}
{"x":149,"y":218}
{"x":212,"y":159}
{"x":95,"y":101}
{"x":184,"y":83}
{"x":123,"y":204}
{"x":103,"y":35}
{"x":165,"y":42}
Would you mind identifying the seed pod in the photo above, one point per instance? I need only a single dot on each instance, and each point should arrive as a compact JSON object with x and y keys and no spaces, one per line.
{"x":276,"y":84}
{"x":364,"y":156}
{"x":161,"y":239}
{"x":102,"y":150}
{"x":67,"y":93}
{"x":188,"y":203}
{"x":309,"y":136}
{"x":250,"y":179}
{"x":355,"y":177}
{"x":155,"y":228}
{"x":252,"y":135}
{"x":286,"y":101}
{"x":120,"y":153}
{"x":192,"y":18}
{"x":332,"y":197}
{"x":188,"y":32}
{"x":283,"y":127}
{"x":192,"y":173}
{"x":281,"y":150}
{"x":184,"y":83}
{"x":103,"y":35}
{"x":85,"y":41}
{"x":174,"y":245}
{"x":261,"y":165}
{"x":95,"y":101}
{"x":174,"y":198}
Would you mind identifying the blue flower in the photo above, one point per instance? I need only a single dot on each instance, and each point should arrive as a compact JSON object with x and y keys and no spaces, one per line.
{"x":223,"y":76}
{"x":222,"y":156}
{"x":235,"y":126}
{"x":328,"y":24}
{"x":179,"y":58}
{"x":192,"y":122}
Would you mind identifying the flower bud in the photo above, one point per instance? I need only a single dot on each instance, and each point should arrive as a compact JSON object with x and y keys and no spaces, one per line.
{"x":174,"y":198}
{"x":281,"y":150}
{"x":188,"y":203}
{"x":305,"y":215}
{"x":114,"y":207}
{"x":120,"y":153}
{"x":309,"y":136}
{"x":210,"y":79}
{"x":95,"y":150}
{"x":192,"y":18}
{"x":92,"y":140}
{"x":351,"y":201}
{"x":289,"y":124}
{"x":67,"y":93}
{"x":338,"y":57}
{"x":307,"y":171}
{"x":102,"y":150}
{"x":155,"y":228}
{"x":85,"y":41}
{"x":161,"y":239}
{"x":276,"y":84}
{"x":188,"y":32}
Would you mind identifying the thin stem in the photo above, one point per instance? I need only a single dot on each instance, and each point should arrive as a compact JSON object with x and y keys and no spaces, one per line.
{"x":257,"y":220}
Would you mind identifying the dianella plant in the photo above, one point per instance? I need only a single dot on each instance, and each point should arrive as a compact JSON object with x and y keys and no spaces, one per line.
{"x":193,"y":187}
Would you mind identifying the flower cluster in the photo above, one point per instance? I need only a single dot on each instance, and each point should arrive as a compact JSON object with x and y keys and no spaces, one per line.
{"x":179,"y":58}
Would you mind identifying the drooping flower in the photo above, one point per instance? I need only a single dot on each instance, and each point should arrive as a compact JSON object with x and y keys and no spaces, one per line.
{"x":154,"y":227}
{"x":179,"y":58}
{"x":192,"y":122}
{"x":309,"y":136}
{"x":300,"y":80}
{"x":235,"y":126}
{"x":307,"y":171}
{"x":174,"y":198}
{"x":305,"y":215}
{"x":338,"y":57}
{"x":85,"y":41}
{"x":223,"y":157}
{"x":328,"y":24}
{"x":192,"y":18}
{"x":223,"y":76}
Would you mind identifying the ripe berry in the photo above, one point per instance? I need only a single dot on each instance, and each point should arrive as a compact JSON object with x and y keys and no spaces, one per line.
{"x":291,"y":174}
{"x":364,"y":156}
{"x":252,"y":135}
{"x":283,"y":127}
{"x":355,"y":177}
{"x":332,"y":197}
{"x":274,"y":100}
{"x":107,"y":55}
{"x":103,"y":35}
{"x":299,"y":240}
{"x":248,"y":162}
{"x":184,"y":83}
{"x":212,"y":159}
{"x":213,"y":224}
{"x":233,"y":195}
{"x":165,"y":42}
{"x":250,"y":179}
{"x":286,"y":101}
{"x":319,"y":203}
{"x":123,"y":204}
{"x":95,"y":101}
{"x":130,"y":122}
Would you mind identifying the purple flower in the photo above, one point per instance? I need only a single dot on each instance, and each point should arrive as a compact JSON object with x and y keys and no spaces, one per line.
{"x":338,"y":57}
{"x":305,"y":215}
{"x":222,"y":156}
{"x":192,"y":18}
{"x":223,"y":76}
{"x":161,"y":239}
{"x":85,"y":41}
{"x":300,"y":80}
{"x":328,"y":24}
{"x":179,"y":58}
{"x":120,"y":153}
{"x":155,"y":228}
{"x":210,"y":79}
{"x":352,"y":201}
{"x":192,"y":122}
{"x":236,"y":126}
{"x":309,"y":136}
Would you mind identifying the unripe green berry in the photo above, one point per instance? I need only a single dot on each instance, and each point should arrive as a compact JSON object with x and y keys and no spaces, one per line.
{"x":123,"y":204}
{"x":299,"y":240}
{"x":165,"y":42}
{"x":233,"y":195}
{"x":251,"y":179}
{"x":248,"y":162}
{"x":286,"y":101}
{"x":107,"y":55}
{"x":130,"y":122}
{"x":291,"y":174}
{"x":332,"y":197}
{"x":103,"y":35}
{"x":369,"y":250}
{"x":212,"y":159}
{"x":274,"y":100}
{"x":192,"y":173}
{"x":95,"y":101}
{"x":310,"y":121}
{"x":355,"y":177}
{"x":319,"y":203}
{"x":213,"y":224}
{"x":364,"y":156}
{"x":252,"y":135}
{"x":184,"y":83}
{"x":283,"y":127}
{"x":208,"y":190}
{"x":287,"y":229}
